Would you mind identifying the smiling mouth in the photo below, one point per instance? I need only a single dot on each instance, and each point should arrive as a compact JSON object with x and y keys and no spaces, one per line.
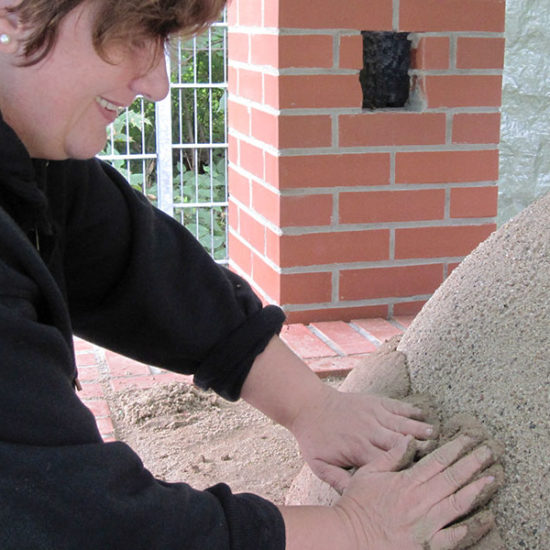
{"x":117,"y":109}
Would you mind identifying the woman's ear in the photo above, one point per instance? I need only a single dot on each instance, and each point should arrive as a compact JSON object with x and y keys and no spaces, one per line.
{"x":10,"y":31}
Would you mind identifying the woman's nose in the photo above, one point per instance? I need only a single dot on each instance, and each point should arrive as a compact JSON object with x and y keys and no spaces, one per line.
{"x":153,"y":84}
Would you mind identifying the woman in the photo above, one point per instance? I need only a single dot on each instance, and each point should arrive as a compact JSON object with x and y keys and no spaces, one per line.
{"x":80,"y":251}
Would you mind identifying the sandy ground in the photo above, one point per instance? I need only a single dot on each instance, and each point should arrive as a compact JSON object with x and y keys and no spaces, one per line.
{"x":184,"y":434}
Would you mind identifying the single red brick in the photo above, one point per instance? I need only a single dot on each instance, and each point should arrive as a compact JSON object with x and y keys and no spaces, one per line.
{"x":233,"y":149}
{"x":232,"y":13}
{"x":239,"y":186}
{"x":264,"y":50}
{"x":334,"y":247}
{"x":331,"y":15}
{"x":273,"y":246}
{"x":305,"y":50}
{"x":253,"y":231}
{"x":378,"y":129}
{"x":238,"y":117}
{"x":306,"y":210}
{"x":88,"y":373}
{"x":452,"y":15}
{"x":232,"y":80}
{"x":266,"y":277}
{"x":238,"y":46}
{"x":476,"y":128}
{"x":437,"y":242}
{"x":251,"y":158}
{"x":239,"y":253}
{"x":271,"y":14}
{"x":304,"y":131}
{"x":265,"y":127}
{"x":91,"y":390}
{"x":480,"y":53}
{"x":344,"y":338}
{"x":474,"y":202}
{"x":86,"y":359}
{"x":380,"y":329}
{"x":82,"y":345}
{"x":266,"y":202}
{"x":105,"y":426}
{"x":408,"y":308}
{"x":404,"y":320}
{"x":371,"y":283}
{"x":319,"y":91}
{"x":233,"y":215}
{"x":391,"y":206}
{"x":447,"y":166}
{"x":99,"y":407}
{"x":123,"y":366}
{"x":432,"y":53}
{"x":306,"y":288}
{"x":336,"y":313}
{"x":250,"y":13}
{"x":271,"y":89}
{"x":127,"y":382}
{"x":335,"y":366}
{"x":305,"y":343}
{"x":250,"y":85}
{"x":331,"y":170}
{"x":351,"y":52}
{"x":463,"y":90}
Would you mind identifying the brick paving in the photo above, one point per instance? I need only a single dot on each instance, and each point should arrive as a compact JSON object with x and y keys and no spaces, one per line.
{"x":329,"y":348}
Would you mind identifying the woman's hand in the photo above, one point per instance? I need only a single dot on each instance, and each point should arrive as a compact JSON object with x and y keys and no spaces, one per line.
{"x":411,"y":509}
{"x":340,"y":430}
{"x":335,"y":430}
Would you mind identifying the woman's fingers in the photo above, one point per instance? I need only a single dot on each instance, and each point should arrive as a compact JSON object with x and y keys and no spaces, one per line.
{"x":454,"y":477}
{"x":460,"y":503}
{"x":403,"y":408}
{"x":406,"y":419}
{"x":398,"y":457}
{"x":338,"y":478}
{"x":463,"y":534}
{"x":440,"y":459}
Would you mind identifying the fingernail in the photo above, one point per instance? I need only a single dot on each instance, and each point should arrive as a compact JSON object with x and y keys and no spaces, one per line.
{"x":429,"y":431}
{"x":490,"y":479}
{"x":484,"y":453}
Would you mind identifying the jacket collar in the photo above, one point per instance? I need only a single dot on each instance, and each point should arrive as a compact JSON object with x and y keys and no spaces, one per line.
{"x":22,"y":180}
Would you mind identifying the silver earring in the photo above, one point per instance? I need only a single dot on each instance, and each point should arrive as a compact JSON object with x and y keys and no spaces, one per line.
{"x":5,"y":39}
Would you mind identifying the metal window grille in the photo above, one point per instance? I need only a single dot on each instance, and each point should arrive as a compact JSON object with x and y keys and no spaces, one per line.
{"x":175,"y":151}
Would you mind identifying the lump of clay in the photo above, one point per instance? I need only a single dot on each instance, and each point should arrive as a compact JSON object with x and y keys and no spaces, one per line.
{"x":482,"y":345}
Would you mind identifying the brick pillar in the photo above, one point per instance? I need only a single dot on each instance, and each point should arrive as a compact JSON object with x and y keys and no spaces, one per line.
{"x":337,"y":212}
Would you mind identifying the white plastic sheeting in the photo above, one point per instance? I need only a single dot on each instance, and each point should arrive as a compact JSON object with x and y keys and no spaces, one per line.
{"x":525,"y":128}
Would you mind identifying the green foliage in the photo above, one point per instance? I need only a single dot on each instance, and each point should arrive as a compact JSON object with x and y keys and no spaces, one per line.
{"x":198,"y":116}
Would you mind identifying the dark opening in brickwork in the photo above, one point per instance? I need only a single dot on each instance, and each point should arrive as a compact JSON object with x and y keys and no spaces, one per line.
{"x":385,"y":74}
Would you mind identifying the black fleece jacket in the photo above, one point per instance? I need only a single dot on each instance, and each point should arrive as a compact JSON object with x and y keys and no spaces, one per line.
{"x":81,"y":251}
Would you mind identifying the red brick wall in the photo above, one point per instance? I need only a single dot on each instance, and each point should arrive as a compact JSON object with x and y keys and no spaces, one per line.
{"x":336,"y":212}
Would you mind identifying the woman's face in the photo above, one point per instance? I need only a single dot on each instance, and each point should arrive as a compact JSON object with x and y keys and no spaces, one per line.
{"x":60,"y":107}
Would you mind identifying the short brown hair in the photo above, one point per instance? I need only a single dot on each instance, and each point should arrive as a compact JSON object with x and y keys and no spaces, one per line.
{"x":116,"y":19}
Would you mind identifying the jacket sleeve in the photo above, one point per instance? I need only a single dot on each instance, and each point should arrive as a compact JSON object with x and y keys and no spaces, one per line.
{"x":61,"y":487}
{"x":140,"y":284}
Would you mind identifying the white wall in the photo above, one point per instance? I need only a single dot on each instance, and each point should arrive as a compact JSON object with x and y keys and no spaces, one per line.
{"x":525,"y":139}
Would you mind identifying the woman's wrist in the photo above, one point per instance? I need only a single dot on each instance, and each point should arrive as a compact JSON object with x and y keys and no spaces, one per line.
{"x":318,"y":528}
{"x":280,"y":384}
